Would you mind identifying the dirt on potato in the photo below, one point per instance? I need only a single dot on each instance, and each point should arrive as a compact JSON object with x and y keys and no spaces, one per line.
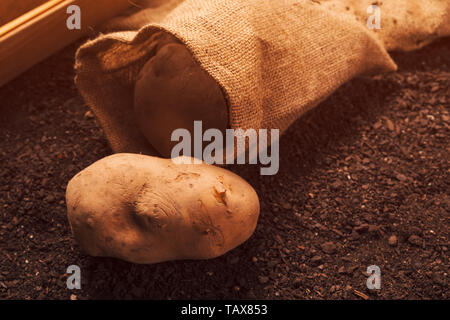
{"x":363,"y":180}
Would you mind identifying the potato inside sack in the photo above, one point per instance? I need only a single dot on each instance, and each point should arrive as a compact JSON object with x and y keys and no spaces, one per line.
{"x":146,"y":210}
{"x":172,"y":91}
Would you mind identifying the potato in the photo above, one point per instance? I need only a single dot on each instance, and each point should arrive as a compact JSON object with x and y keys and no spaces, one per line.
{"x":146,"y":209}
{"x":171,"y":92}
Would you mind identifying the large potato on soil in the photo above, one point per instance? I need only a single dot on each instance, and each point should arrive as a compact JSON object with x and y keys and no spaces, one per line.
{"x":145,"y":209}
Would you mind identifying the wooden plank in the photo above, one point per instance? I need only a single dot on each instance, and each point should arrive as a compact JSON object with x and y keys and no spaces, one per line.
{"x":28,"y":16}
{"x":11,"y":9}
{"x":42,"y":31}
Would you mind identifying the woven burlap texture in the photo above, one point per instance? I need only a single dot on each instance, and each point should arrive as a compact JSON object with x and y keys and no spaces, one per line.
{"x":274,"y":59}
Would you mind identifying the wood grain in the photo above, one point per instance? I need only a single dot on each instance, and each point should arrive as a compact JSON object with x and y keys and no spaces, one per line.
{"x":12,"y":9}
{"x":42,"y":31}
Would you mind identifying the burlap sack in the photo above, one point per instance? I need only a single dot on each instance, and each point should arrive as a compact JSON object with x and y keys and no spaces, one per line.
{"x":274,"y":59}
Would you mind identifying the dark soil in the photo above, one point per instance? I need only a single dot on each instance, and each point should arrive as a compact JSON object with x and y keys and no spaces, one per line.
{"x":364,"y":180}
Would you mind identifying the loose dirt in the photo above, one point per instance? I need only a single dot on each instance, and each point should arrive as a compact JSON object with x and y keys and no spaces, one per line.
{"x":364,"y":180}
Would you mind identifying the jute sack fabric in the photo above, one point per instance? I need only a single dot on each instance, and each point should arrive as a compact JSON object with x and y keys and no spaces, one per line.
{"x":405,"y":24}
{"x":274,"y":59}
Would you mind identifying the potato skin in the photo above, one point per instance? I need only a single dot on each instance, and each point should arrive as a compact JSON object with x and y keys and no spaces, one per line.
{"x":146,"y":210}
{"x":172,"y":91}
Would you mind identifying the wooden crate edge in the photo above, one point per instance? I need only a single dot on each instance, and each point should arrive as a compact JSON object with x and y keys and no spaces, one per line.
{"x":37,"y":36}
